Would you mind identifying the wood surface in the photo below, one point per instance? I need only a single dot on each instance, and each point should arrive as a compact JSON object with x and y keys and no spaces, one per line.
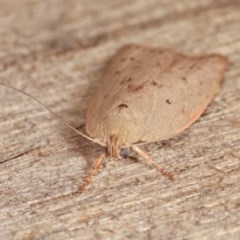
{"x":56,"y":50}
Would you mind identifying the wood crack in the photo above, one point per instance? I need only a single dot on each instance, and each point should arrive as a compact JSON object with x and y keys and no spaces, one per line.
{"x":19,"y":155}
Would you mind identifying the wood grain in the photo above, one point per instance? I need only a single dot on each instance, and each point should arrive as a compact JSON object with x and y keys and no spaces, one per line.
{"x":56,"y":50}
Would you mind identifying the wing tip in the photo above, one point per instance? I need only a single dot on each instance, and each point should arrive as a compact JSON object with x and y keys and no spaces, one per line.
{"x":221,"y":60}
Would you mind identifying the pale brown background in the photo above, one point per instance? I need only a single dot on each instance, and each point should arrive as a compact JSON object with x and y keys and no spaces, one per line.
{"x":56,"y":51}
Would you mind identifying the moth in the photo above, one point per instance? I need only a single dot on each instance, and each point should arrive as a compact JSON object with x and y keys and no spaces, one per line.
{"x":146,"y":95}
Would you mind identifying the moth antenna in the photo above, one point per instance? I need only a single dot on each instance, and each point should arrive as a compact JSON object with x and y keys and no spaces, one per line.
{"x":52,"y":112}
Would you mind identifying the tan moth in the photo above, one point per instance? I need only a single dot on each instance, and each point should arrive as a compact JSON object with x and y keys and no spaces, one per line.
{"x":148,"y":95}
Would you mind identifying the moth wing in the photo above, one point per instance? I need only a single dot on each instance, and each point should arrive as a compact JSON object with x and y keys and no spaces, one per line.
{"x":152,"y":94}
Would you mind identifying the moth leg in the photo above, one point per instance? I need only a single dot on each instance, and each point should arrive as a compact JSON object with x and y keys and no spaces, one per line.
{"x":95,"y":168}
{"x":152,"y":162}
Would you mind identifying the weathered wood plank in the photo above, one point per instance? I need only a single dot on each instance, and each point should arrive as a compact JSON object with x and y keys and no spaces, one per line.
{"x":56,"y":51}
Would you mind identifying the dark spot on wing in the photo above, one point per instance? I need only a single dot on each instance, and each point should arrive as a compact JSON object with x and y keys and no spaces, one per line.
{"x":184,"y":79}
{"x":135,"y":87}
{"x":126,"y":80}
{"x":123,"y":59}
{"x":132,"y":58}
{"x":117,"y":71}
{"x":123,"y":105}
{"x":105,"y":96}
{"x":168,"y":101}
{"x":154,"y":83}
{"x":158,"y":64}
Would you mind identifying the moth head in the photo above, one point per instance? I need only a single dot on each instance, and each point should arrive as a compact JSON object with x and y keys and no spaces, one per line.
{"x":113,"y":146}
